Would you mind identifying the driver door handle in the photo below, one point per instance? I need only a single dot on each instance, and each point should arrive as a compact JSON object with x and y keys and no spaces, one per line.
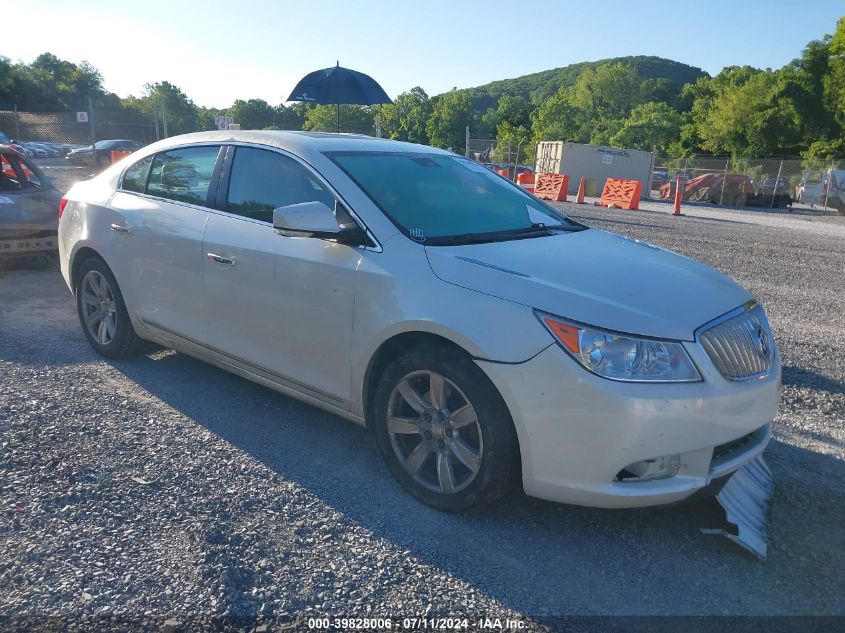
{"x":119,"y":228}
{"x":219,"y":259}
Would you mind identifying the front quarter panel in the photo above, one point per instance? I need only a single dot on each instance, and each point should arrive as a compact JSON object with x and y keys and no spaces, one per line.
{"x":397,"y":292}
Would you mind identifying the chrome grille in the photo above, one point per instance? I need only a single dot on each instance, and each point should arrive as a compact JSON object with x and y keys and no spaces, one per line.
{"x":741,"y":347}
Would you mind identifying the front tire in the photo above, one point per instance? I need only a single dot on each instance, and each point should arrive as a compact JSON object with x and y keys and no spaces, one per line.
{"x":102,"y":312}
{"x":444,"y":430}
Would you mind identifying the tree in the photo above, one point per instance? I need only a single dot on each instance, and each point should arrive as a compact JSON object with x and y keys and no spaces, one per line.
{"x":513,"y":143}
{"x":254,"y":114}
{"x":405,"y":119}
{"x":163,"y":96}
{"x":290,"y":117}
{"x":608,"y":92}
{"x":660,"y":90}
{"x":834,"y":79}
{"x":726,"y":109}
{"x":50,"y":83}
{"x":451,"y":115}
{"x":557,"y":119}
{"x":353,"y":118}
{"x":650,"y":126}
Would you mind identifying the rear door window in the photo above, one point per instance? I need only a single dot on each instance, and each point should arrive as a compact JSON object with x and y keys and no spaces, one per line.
{"x":183,"y":175}
{"x":135,"y":178}
{"x":262,"y":180}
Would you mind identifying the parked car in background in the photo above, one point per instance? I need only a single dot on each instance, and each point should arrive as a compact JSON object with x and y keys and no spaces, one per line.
{"x":37,"y":150}
{"x":411,"y":290}
{"x":810,"y":189}
{"x":20,"y":149}
{"x":4,"y":140}
{"x":833,"y":190}
{"x":100,"y":155}
{"x":28,"y":207}
{"x":773,"y":186}
{"x":772,"y":191}
{"x":659,"y":177}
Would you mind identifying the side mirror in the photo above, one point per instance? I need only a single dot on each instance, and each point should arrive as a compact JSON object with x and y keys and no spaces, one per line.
{"x":315,"y":219}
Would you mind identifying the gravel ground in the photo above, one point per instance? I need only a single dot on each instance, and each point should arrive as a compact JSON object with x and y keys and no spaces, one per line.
{"x":162,"y":489}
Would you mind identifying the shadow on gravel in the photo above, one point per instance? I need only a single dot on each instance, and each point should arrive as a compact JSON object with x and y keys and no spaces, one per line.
{"x":534,"y":556}
{"x":800,"y":377}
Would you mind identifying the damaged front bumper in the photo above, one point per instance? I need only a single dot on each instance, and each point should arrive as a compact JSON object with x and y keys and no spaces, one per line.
{"x":746,"y":497}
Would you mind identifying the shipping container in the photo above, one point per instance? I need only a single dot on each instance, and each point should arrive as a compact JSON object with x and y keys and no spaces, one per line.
{"x":595,"y":163}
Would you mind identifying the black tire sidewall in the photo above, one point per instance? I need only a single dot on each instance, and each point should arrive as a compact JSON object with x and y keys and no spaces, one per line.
{"x":500,"y":458}
{"x":123,"y":327}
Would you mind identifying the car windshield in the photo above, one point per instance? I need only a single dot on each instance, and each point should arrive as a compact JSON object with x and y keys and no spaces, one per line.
{"x":440,"y":199}
{"x":104,"y":144}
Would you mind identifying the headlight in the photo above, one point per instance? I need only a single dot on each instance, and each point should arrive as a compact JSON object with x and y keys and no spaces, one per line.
{"x":620,"y":356}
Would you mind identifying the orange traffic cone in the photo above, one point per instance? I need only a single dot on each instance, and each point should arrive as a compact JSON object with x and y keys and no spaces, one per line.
{"x":579,"y":198}
{"x":676,"y":210}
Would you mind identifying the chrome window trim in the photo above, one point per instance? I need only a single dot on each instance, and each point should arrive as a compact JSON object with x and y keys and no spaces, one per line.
{"x":376,"y":249}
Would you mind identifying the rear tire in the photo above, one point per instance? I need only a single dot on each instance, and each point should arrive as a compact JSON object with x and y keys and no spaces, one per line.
{"x":102,"y":312}
{"x":444,"y":430}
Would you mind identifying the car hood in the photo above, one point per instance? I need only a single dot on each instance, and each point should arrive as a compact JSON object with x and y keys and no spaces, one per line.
{"x":595,"y":277}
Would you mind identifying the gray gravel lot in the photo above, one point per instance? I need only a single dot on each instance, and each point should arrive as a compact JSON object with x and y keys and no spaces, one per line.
{"x":160,"y":487}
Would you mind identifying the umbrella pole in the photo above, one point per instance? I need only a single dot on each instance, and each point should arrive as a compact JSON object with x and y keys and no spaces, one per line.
{"x":338,"y":117}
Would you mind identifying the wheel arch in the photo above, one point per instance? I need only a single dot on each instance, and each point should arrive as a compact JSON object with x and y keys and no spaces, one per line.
{"x":81,"y":255}
{"x":390,"y":349}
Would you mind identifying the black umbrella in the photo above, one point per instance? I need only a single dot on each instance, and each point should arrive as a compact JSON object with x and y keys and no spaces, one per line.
{"x":338,"y":85}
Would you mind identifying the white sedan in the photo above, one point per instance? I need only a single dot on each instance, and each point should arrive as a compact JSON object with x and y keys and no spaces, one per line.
{"x":484,"y":337}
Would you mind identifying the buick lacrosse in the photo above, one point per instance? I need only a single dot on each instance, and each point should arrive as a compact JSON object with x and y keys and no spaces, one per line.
{"x":482,"y":335}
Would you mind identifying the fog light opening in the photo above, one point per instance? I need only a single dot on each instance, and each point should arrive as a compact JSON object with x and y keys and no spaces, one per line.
{"x":650,"y":469}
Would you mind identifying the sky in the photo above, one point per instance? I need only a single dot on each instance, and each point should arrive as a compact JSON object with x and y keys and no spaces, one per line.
{"x":218,"y":51}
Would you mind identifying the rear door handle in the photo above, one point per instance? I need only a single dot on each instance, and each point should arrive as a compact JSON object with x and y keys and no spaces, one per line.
{"x":119,"y":228}
{"x":219,"y":259}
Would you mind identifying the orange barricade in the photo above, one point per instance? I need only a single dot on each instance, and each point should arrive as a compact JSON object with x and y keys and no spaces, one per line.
{"x":117,"y":154}
{"x":504,"y":173}
{"x":526,"y":181}
{"x":624,"y":194}
{"x":552,"y":187}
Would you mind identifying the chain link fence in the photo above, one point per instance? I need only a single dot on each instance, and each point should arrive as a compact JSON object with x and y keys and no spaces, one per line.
{"x":500,"y":155}
{"x":763,"y":182}
{"x":70,"y":128}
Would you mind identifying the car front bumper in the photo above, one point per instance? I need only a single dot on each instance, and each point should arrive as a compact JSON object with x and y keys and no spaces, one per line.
{"x":578,"y":431}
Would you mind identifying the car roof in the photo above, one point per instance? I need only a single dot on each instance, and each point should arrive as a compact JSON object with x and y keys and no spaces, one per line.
{"x":297,"y":142}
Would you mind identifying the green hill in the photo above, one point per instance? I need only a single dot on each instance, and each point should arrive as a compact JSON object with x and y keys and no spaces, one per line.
{"x":539,"y":86}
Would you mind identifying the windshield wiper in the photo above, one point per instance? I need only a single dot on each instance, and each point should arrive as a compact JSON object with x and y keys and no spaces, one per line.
{"x":537,"y":229}
{"x":495,"y":236}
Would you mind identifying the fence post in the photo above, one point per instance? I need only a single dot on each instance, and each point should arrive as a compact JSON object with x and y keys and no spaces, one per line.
{"x":17,"y":125}
{"x":164,"y":118}
{"x":826,"y":181}
{"x":466,"y":151}
{"x":93,"y":133}
{"x":725,"y":179}
{"x":775,"y":188}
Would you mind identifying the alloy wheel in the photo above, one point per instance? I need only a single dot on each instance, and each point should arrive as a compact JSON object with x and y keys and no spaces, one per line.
{"x":99,"y":311}
{"x":434,"y":432}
